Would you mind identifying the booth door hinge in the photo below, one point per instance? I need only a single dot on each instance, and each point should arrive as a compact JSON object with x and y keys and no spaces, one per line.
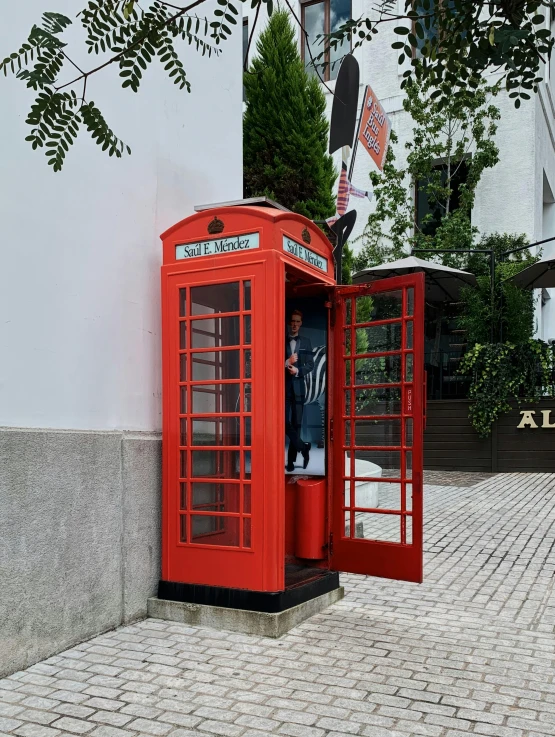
{"x":330,"y":546}
{"x":331,"y":429}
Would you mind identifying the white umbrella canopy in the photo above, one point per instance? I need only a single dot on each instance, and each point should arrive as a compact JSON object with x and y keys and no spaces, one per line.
{"x":540,"y":274}
{"x":443,"y":283}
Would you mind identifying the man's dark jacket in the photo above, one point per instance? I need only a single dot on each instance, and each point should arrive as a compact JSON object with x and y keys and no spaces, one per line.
{"x":305,"y":364}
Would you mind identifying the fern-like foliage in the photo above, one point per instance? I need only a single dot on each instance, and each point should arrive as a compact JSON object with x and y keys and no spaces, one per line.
{"x":131,"y":37}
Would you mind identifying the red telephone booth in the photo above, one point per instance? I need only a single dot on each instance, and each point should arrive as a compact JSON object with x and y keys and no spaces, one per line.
{"x":237,"y":529}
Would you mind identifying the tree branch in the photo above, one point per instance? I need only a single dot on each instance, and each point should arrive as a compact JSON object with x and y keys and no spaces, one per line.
{"x":117,"y":57}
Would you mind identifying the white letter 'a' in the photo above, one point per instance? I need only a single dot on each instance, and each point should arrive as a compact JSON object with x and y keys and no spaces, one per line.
{"x":527,"y":420}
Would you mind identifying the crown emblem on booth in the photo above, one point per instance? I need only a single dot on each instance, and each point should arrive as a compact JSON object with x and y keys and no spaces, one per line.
{"x":305,"y":235}
{"x":215,"y":226}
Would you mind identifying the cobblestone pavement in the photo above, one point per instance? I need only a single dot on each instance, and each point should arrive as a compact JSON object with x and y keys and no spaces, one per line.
{"x":469,"y":652}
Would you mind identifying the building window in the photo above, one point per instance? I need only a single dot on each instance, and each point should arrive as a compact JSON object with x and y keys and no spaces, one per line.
{"x":319,"y":18}
{"x":430,"y":31}
{"x":431,"y":207}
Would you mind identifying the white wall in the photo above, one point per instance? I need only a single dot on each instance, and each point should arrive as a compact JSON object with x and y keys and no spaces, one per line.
{"x":80,"y":249}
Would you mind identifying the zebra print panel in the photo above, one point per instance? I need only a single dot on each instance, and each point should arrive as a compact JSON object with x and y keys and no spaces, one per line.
{"x":315,"y":381}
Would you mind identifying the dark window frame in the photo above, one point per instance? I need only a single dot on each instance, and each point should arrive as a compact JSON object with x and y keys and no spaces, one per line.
{"x":438,"y":164}
{"x":325,"y":75}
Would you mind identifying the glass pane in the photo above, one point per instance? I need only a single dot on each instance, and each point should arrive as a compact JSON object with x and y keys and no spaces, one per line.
{"x":248,"y":440}
{"x":247,"y":462}
{"x":408,"y":496}
{"x":340,"y":13}
{"x":183,"y":335}
{"x":374,"y":526}
{"x":247,"y":498}
{"x":382,"y":370}
{"x":215,"y":333}
{"x":408,"y":464}
{"x":246,"y":295}
{"x":215,"y":497}
{"x":183,"y":528}
{"x":183,"y":431}
{"x":214,"y":366}
{"x":380,"y":401}
{"x":348,"y":372}
{"x":247,"y":398}
{"x":183,"y":400}
{"x":211,"y":530}
{"x":247,"y":364}
{"x":215,"y":398}
{"x":406,"y":530}
{"x":409,"y":334}
{"x":183,"y":367}
{"x":182,"y":302}
{"x":374,"y":432}
{"x":183,"y":464}
{"x":376,"y":463}
{"x":388,"y":496}
{"x":408,"y":431}
{"x":314,"y":26}
{"x":348,"y":310}
{"x":408,"y":367}
{"x":222,"y":464}
{"x":247,"y":330}
{"x":217,"y":431}
{"x":375,"y":339}
{"x":215,"y":298}
{"x":410,"y":301}
{"x":382,"y":306}
{"x":183,"y":496}
{"x":247,"y":532}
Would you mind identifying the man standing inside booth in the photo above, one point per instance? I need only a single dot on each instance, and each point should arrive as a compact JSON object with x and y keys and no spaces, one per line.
{"x":298,"y":363}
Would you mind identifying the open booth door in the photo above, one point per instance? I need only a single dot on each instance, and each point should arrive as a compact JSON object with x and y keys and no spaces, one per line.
{"x":377,"y":431}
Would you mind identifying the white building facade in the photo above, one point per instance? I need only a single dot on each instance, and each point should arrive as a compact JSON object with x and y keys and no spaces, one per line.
{"x":516,"y":196}
{"x":80,"y":376}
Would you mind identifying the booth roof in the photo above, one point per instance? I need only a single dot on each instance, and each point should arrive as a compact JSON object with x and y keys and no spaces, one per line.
{"x":251,"y":201}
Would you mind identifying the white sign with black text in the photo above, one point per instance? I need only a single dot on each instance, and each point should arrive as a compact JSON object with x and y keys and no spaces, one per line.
{"x":217,"y":246}
{"x":304,"y":253}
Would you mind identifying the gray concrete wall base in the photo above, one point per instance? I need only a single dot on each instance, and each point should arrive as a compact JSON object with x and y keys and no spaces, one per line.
{"x":79,"y":537}
{"x":240,"y":620}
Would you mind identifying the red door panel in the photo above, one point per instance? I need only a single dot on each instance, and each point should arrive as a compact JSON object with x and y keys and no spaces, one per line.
{"x":378,"y":379}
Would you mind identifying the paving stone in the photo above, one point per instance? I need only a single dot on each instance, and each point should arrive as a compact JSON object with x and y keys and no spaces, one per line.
{"x":75,"y":726}
{"x":149,"y":726}
{"x":222,"y":728}
{"x":36,"y":730}
{"x":8,"y":725}
{"x":73,"y":710}
{"x":107,"y":731}
{"x":38,"y":716}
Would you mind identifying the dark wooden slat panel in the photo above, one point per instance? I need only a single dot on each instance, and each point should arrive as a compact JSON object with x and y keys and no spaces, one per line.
{"x":452,"y":444}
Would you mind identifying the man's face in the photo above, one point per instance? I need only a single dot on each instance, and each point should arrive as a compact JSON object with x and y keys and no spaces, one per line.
{"x":295,"y":323}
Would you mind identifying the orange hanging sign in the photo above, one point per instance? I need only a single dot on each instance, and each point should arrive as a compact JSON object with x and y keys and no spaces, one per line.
{"x":374,"y":128}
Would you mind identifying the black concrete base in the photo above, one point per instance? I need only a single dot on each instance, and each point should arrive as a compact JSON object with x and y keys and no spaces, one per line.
{"x":302,"y":584}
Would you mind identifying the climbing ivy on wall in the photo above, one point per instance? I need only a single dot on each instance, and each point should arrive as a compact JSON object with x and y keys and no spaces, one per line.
{"x":502,"y":372}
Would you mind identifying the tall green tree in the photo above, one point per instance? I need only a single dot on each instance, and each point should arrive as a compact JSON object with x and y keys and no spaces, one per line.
{"x":285,"y":130}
